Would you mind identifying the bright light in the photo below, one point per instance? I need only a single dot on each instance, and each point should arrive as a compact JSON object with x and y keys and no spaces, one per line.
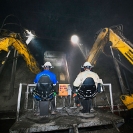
{"x":29,"y":36}
{"x":29,"y":33}
{"x":75,"y":39}
{"x":29,"y":40}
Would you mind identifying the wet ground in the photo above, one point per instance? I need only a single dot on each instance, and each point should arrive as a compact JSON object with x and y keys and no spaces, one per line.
{"x":127,"y":127}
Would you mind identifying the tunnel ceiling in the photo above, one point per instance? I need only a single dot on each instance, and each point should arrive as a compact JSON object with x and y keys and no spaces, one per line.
{"x":57,"y":20}
{"x":54,"y":21}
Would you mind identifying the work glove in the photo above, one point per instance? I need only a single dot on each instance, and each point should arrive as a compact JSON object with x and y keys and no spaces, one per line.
{"x":75,"y":91}
{"x":74,"y":95}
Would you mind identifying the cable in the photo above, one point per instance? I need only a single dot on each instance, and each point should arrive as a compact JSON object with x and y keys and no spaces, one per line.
{"x":6,"y":30}
{"x":17,"y":24}
{"x":123,"y":65}
{"x":6,"y":19}
{"x":12,"y":24}
{"x":106,"y":54}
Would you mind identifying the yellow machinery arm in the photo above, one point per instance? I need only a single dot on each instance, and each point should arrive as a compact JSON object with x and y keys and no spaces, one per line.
{"x":124,"y":46}
{"x":21,"y":48}
{"x":119,"y":42}
{"x":98,"y":46}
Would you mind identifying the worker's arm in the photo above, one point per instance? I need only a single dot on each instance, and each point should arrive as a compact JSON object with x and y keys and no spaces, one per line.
{"x":74,"y":91}
{"x":78,"y":80}
{"x":100,"y":86}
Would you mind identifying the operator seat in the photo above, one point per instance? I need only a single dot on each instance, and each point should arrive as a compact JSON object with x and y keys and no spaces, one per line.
{"x":44,"y":93}
{"x":88,"y":89}
{"x":44,"y":88}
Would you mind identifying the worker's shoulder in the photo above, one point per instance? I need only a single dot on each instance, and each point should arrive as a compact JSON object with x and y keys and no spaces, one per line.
{"x":91,"y":72}
{"x":46,"y":72}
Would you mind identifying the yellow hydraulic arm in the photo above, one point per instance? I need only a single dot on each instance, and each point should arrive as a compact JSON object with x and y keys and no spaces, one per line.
{"x":119,"y":42}
{"x":12,"y":40}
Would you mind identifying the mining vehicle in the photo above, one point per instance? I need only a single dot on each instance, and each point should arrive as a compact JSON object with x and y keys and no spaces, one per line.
{"x":68,"y":117}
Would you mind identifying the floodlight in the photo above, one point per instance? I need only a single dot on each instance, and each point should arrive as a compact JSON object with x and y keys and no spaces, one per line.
{"x":29,"y":36}
{"x":75,"y":39}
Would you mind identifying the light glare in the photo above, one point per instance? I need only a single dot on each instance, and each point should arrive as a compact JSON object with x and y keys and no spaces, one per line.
{"x":74,"y":39}
{"x":30,"y":36}
{"x":29,"y":39}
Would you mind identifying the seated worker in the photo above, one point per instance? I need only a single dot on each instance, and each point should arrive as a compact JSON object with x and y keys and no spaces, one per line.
{"x":75,"y":96}
{"x":80,"y":79}
{"x":47,"y":66}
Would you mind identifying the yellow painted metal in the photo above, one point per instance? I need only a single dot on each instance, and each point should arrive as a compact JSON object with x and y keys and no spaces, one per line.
{"x":121,"y":45}
{"x":21,"y":49}
{"x":98,"y":46}
{"x":127,"y":100}
{"x":118,"y":42}
{"x":103,"y":38}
